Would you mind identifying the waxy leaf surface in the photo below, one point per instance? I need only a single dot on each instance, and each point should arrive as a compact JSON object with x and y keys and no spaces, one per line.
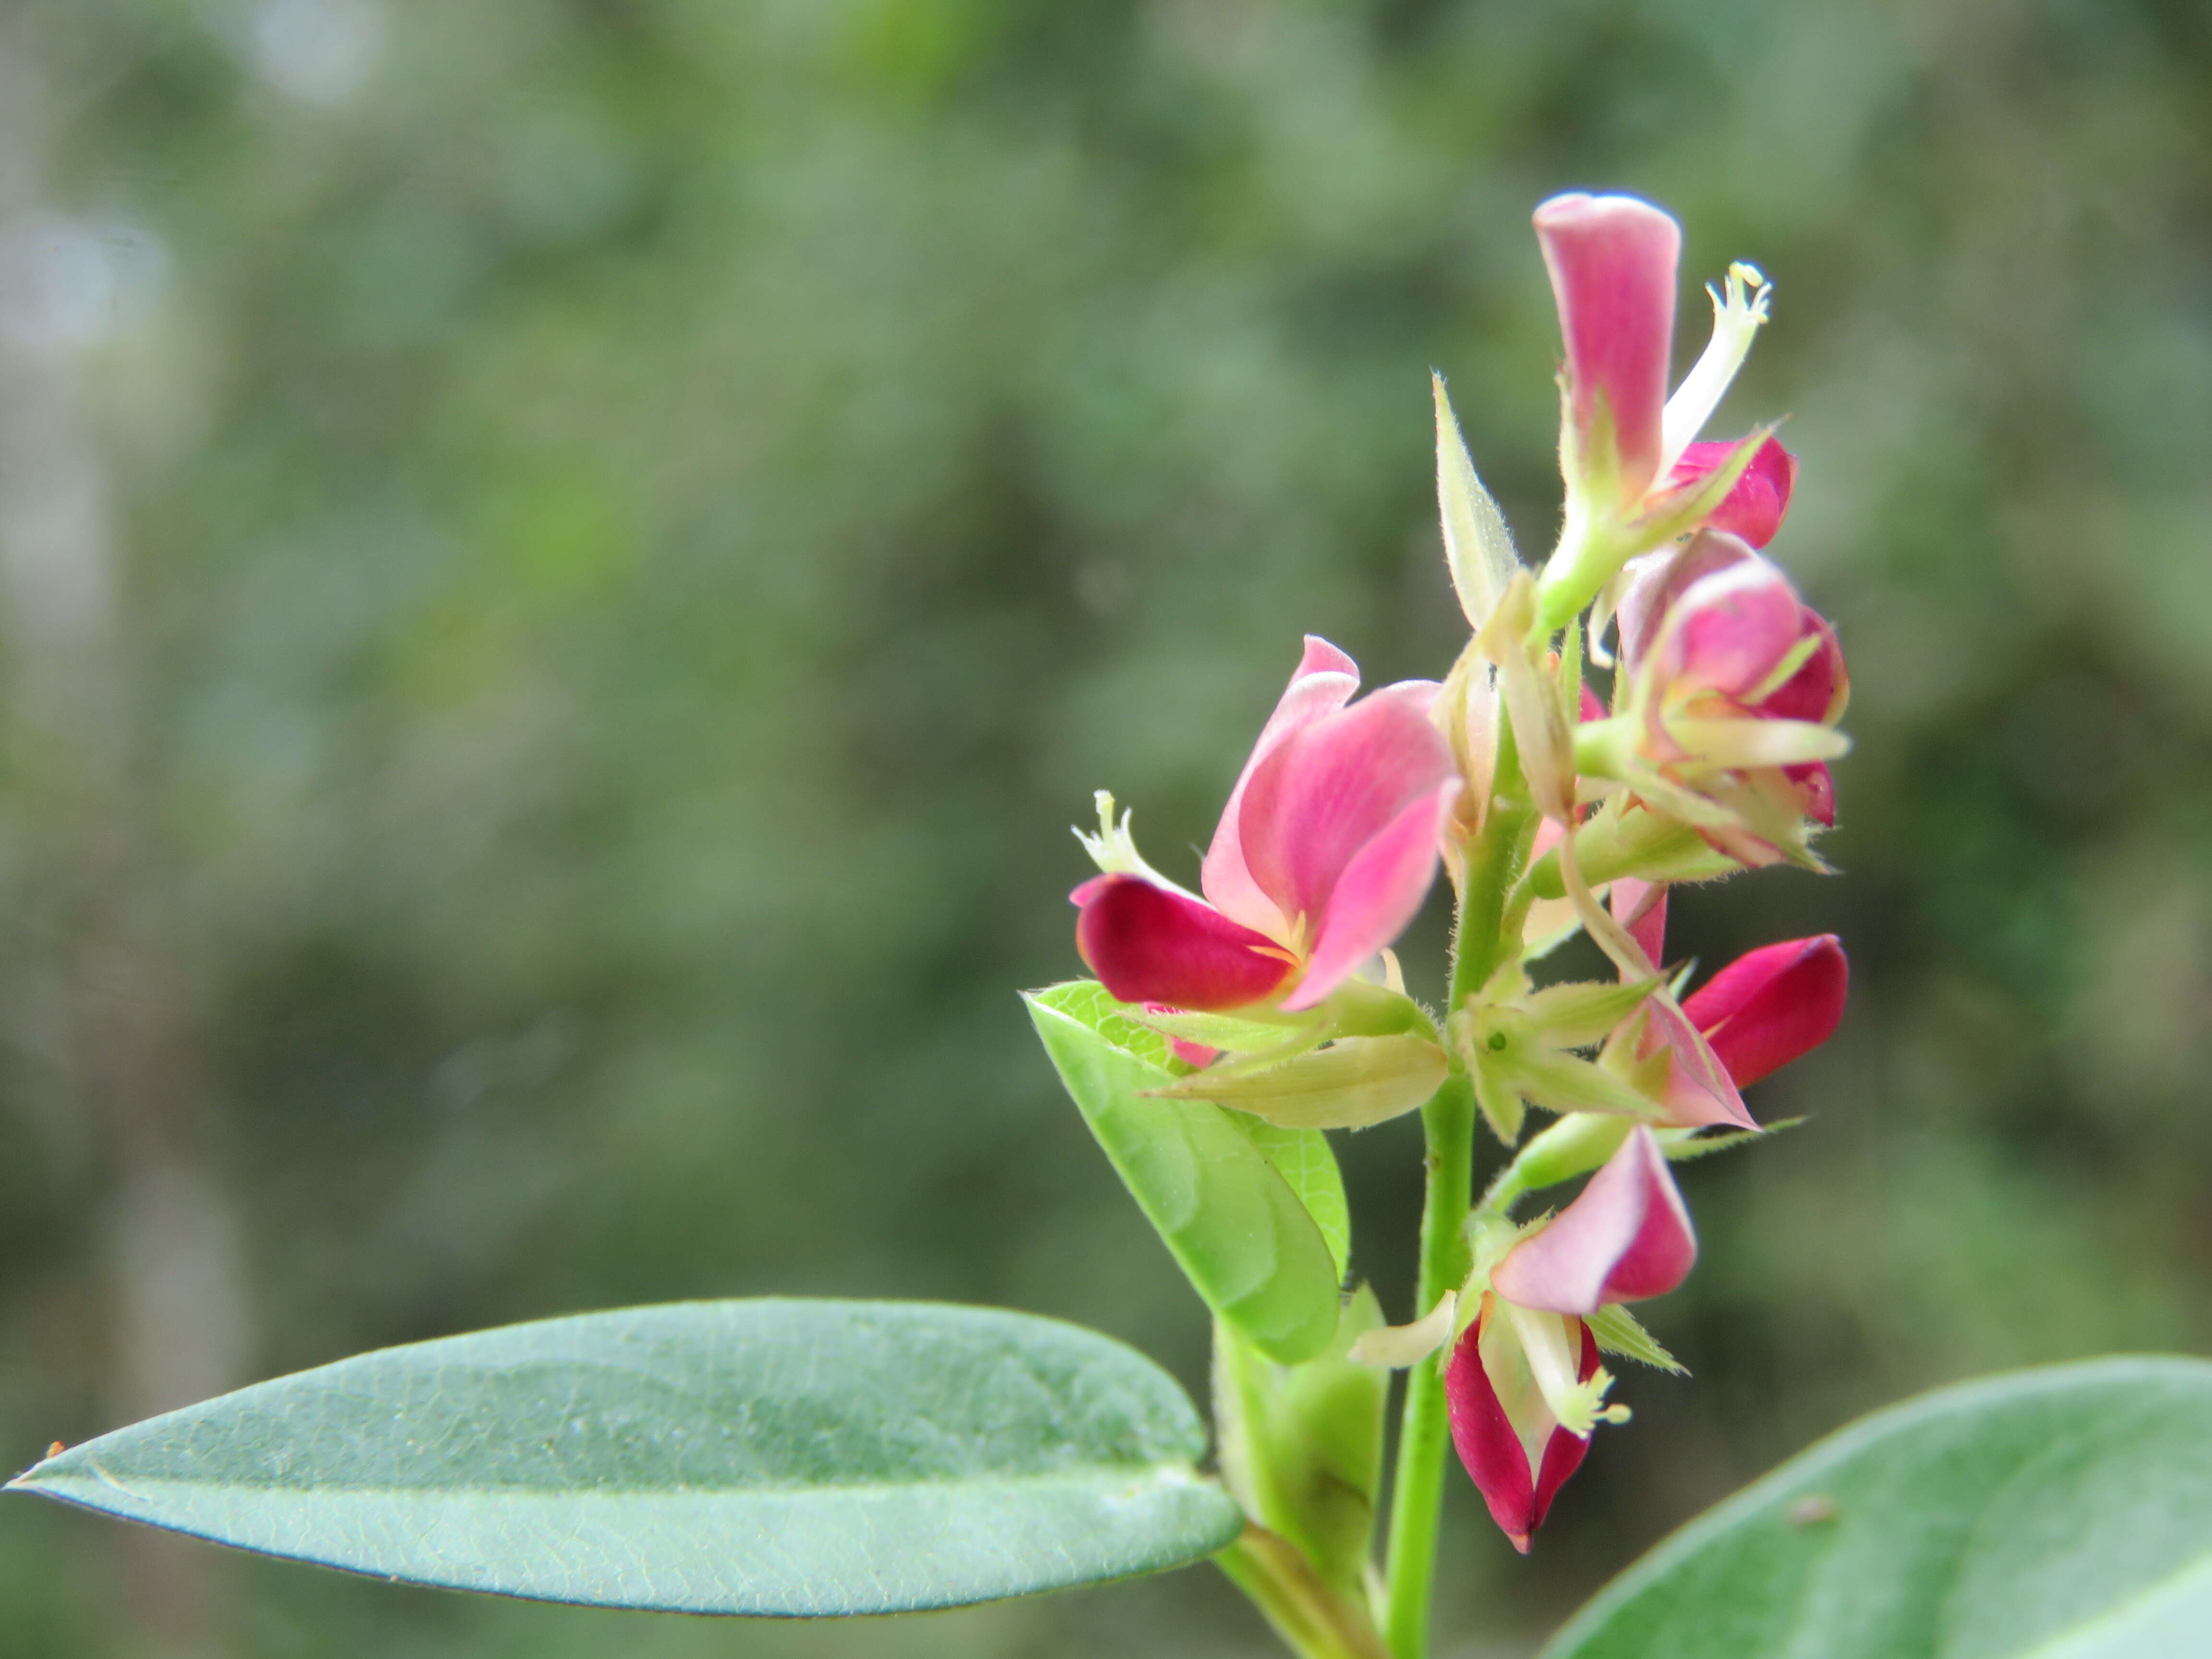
{"x":2065,"y":1513}
{"x":789,"y":1457}
{"x":1242,"y":1236}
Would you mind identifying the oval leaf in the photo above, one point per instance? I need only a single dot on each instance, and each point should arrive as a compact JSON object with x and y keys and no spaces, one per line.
{"x":1308,"y":1165}
{"x":783,"y":1457}
{"x":1242,"y":1236}
{"x":2062,"y":1513}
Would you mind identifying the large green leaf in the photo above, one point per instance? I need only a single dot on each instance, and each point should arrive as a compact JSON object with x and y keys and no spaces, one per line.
{"x":2057,"y":1514}
{"x":1308,"y":1165}
{"x":1242,"y":1236}
{"x":765,"y":1457}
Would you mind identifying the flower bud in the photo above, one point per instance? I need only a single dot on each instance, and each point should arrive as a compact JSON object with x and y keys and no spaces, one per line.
{"x":1755,"y":504}
{"x":1767,"y":1008}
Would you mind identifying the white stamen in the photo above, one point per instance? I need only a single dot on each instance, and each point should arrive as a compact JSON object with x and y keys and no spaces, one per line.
{"x":1737,"y":314}
{"x":1113,"y":848}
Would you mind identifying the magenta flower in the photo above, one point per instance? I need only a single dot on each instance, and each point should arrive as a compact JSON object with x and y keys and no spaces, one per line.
{"x":1635,"y":479}
{"x":1524,"y":1386}
{"x":1325,"y":851}
{"x":1735,"y":686}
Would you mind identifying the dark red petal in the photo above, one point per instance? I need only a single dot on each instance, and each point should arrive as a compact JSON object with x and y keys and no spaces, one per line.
{"x":1816,"y":691}
{"x":1148,"y":945}
{"x":1564,"y":1452}
{"x":1487,"y":1445}
{"x":1767,"y":1008}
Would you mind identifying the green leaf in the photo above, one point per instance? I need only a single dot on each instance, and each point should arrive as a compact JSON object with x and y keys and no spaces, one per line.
{"x":1238,"y":1232}
{"x":781,"y":1457}
{"x":2063,"y":1513}
{"x":1307,"y":1162}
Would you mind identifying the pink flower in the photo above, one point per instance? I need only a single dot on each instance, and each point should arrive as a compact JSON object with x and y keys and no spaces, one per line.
{"x":1635,"y":479}
{"x":1524,"y":1385}
{"x":1324,"y":852}
{"x":1735,"y":686}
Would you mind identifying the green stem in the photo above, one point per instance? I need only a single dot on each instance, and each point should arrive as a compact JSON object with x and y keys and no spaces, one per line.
{"x":1478,"y":946}
{"x":1315,"y":1620}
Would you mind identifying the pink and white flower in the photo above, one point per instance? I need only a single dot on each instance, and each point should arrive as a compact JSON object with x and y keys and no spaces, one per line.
{"x":1324,"y":852}
{"x":1735,"y":686}
{"x":1635,"y":479}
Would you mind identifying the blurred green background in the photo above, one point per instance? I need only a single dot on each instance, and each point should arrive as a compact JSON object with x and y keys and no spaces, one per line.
{"x":565,"y":565}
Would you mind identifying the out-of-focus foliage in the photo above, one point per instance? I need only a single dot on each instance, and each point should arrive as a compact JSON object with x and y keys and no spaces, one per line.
{"x":630,"y":530}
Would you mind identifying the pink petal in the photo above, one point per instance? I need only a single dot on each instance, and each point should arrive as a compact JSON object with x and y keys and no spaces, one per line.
{"x":1612,"y":260}
{"x":1627,"y":1237}
{"x":1148,"y":945}
{"x":1324,"y":683}
{"x":1729,"y":630}
{"x":1490,"y":1450}
{"x":1593,"y":706}
{"x":1378,"y":894}
{"x":1563,"y":1453}
{"x":1767,"y":1008}
{"x":1699,"y":1089}
{"x":1327,"y":790}
{"x":1755,"y":504}
{"x":1641,"y":908}
{"x":1660,"y":579}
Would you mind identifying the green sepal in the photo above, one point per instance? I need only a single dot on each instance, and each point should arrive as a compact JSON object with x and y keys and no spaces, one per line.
{"x":1353,"y":1083}
{"x":1681,"y":1146}
{"x":1583,"y":1012}
{"x":1477,"y":546}
{"x":1619,"y":1332}
{"x":1575,"y":1145}
{"x":1300,"y":1446}
{"x":1240,"y":1234}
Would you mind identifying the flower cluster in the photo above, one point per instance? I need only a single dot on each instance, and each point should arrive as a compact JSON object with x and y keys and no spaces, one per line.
{"x":1655,"y":706}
